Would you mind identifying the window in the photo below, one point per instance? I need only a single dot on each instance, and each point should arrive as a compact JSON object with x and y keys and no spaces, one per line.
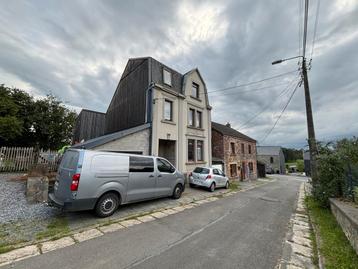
{"x":249,"y":149}
{"x":141,"y":164}
{"x":191,"y":151}
{"x":70,"y":159}
{"x":271,"y":159}
{"x":251,"y":166}
{"x":198,"y":119}
{"x":243,"y":148}
{"x":216,"y":172}
{"x":168,"y":110}
{"x":167,"y":77}
{"x":199,"y":150}
{"x":195,"y":90}
{"x":201,"y":170}
{"x":191,"y":117}
{"x":164,"y":166}
{"x":232,"y":144}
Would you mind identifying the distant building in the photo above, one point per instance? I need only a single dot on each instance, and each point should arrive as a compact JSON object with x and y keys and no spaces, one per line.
{"x":233,"y":152}
{"x":89,"y":124}
{"x":273,"y":158}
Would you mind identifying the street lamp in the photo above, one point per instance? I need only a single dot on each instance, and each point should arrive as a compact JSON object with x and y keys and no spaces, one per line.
{"x":310,"y":126}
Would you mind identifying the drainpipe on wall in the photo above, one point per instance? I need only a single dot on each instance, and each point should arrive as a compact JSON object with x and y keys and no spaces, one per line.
{"x":149,"y":113}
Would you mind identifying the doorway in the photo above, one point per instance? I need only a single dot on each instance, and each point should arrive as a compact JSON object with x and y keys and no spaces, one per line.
{"x":233,"y":170}
{"x":167,"y":150}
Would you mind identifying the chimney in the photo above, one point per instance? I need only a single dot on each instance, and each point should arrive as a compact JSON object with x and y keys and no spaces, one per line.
{"x":228,"y":124}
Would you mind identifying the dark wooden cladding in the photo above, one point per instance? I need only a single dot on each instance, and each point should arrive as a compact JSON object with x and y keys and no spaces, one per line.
{"x":128,"y":106}
{"x":89,"y":124}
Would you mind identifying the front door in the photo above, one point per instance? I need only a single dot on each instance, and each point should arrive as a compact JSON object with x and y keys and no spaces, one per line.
{"x":167,"y":150}
{"x":233,"y":171}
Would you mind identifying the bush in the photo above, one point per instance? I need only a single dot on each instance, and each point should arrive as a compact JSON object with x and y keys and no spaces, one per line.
{"x":356,"y":195}
{"x":332,"y":167}
{"x":300,"y":166}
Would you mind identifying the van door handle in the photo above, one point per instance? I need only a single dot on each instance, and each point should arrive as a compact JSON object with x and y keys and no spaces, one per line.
{"x":159,"y":175}
{"x":151,"y":176}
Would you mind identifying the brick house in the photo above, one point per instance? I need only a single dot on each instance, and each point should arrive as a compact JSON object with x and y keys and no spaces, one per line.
{"x":234,"y":152}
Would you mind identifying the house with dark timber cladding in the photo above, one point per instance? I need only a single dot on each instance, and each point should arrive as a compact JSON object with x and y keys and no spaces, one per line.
{"x":158,"y":111}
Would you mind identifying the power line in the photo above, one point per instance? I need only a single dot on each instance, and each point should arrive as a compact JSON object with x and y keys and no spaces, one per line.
{"x":315,"y":27}
{"x":305,"y":29}
{"x":251,"y":90}
{"x":283,"y":110}
{"x":300,"y":17}
{"x":254,"y":82}
{"x":285,"y":90}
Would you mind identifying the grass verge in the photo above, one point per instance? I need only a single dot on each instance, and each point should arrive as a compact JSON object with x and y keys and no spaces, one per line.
{"x":333,"y":246}
{"x":55,"y":229}
{"x":234,"y":185}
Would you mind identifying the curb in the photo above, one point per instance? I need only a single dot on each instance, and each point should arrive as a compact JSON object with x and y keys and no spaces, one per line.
{"x":41,"y":247}
{"x":297,"y":250}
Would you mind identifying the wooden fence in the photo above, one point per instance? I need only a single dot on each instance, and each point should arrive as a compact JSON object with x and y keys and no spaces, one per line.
{"x":17,"y":159}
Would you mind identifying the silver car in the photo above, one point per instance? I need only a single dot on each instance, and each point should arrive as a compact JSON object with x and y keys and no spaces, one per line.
{"x":102,"y":180}
{"x":208,"y":177}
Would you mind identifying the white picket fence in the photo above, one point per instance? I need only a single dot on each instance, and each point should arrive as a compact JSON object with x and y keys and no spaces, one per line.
{"x":17,"y":159}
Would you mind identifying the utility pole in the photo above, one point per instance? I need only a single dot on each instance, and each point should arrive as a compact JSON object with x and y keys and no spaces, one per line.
{"x":310,"y":126}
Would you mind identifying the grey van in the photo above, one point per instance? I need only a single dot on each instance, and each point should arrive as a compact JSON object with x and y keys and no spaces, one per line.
{"x":102,"y":180}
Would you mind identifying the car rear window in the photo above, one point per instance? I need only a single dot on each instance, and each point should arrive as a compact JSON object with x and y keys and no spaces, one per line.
{"x":201,"y":170}
{"x":70,"y":159}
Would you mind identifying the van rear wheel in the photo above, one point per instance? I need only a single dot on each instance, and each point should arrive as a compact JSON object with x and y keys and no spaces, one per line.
{"x":107,"y":205}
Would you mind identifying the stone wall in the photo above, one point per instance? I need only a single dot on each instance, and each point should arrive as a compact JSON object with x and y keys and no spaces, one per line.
{"x":275,"y":166}
{"x":240,"y":158}
{"x":347,"y":217}
{"x":217,"y":144}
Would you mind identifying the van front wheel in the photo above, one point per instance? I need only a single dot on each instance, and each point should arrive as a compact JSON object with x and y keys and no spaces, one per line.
{"x":107,"y":205}
{"x":178,"y":190}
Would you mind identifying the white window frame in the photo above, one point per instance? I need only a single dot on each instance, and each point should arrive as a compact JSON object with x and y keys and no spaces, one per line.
{"x":167,"y":77}
{"x":171,"y":110}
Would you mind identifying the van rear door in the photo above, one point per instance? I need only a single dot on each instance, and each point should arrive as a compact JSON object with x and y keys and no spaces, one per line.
{"x":67,"y":169}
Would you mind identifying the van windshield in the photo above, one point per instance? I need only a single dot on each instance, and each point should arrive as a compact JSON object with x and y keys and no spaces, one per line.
{"x":201,"y":170}
{"x":70,"y":159}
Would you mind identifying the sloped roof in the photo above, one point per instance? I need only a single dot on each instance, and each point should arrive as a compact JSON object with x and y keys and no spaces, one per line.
{"x":268,"y":150}
{"x":225,"y":130}
{"x":95,"y":142}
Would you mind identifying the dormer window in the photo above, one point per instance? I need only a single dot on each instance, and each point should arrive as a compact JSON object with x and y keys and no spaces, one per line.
{"x":167,"y":77}
{"x":195,"y":90}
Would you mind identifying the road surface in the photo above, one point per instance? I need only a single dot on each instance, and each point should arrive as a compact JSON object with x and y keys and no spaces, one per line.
{"x":245,"y":230}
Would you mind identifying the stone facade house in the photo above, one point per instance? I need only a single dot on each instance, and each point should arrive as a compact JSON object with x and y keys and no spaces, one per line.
{"x":158,"y":111}
{"x":273,"y":158}
{"x":234,"y":151}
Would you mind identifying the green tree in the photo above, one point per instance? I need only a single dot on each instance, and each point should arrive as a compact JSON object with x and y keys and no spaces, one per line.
{"x":53,"y":123}
{"x":10,"y":125}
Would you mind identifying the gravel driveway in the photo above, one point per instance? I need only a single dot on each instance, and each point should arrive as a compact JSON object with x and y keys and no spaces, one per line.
{"x":14,"y":206}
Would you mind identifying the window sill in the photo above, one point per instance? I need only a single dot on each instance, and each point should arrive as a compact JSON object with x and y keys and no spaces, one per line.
{"x":198,"y":162}
{"x":196,"y":98}
{"x":168,"y":122}
{"x":195,"y":128}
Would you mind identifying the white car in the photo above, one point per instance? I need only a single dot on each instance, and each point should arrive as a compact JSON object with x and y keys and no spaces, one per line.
{"x":208,"y":177}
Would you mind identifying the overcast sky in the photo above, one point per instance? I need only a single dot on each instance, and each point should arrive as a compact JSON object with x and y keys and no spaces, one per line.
{"x":77,"y":51}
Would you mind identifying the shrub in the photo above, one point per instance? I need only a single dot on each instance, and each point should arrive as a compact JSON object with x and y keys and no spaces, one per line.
{"x":332,"y":169}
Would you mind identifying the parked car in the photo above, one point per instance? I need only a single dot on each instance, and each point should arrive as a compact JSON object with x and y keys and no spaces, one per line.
{"x":208,"y":177}
{"x":102,"y":180}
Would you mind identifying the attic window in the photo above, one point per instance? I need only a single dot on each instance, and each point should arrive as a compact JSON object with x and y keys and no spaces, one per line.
{"x":167,"y":77}
{"x":195,"y":90}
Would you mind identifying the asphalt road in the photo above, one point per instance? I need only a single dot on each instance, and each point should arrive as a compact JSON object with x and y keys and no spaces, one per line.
{"x":245,"y":230}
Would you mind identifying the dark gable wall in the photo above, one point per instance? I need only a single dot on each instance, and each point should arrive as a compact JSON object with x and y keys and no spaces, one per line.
{"x":128,"y":105}
{"x":89,"y":124}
